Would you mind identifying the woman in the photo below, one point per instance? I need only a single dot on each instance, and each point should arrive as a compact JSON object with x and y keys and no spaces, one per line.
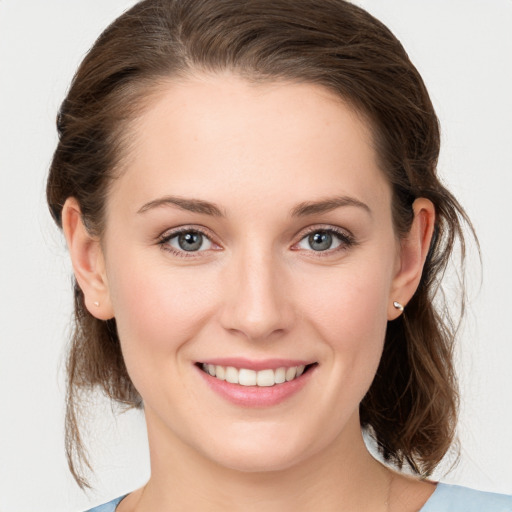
{"x":248,"y":191}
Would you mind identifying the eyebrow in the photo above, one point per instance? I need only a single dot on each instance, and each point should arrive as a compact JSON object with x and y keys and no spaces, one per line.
{"x":327,"y":205}
{"x":301,"y":210}
{"x":189,"y":204}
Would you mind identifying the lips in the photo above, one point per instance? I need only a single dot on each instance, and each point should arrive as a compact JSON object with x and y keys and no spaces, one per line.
{"x":256,"y":384}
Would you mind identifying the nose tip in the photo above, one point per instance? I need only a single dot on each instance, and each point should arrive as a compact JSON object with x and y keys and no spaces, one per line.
{"x":254,"y":330}
{"x":256,"y":306}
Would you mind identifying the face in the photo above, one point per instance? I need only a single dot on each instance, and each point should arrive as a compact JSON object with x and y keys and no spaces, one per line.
{"x":250,"y":236}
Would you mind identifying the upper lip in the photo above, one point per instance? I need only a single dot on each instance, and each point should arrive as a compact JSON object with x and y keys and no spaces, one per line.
{"x":260,"y":364}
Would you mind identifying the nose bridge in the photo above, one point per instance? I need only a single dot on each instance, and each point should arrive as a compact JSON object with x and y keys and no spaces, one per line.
{"x":257,"y":306}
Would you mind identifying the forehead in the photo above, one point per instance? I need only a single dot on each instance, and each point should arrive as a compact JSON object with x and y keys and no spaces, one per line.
{"x":220,"y":136}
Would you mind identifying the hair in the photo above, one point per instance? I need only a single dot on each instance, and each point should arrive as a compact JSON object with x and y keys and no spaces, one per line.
{"x":411,"y":406}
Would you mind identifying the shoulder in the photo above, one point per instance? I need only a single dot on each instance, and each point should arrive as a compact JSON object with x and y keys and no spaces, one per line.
{"x":454,"y":498}
{"x":107,"y":507}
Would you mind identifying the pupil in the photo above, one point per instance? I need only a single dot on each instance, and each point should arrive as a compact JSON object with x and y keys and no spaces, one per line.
{"x":320,"y":241}
{"x":190,"y":241}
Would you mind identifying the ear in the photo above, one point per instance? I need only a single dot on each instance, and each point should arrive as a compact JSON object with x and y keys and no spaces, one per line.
{"x":88,"y":261}
{"x":412,"y":255}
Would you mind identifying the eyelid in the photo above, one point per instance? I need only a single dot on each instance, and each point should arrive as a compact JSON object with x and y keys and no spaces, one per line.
{"x":346,"y":237}
{"x":169,"y":234}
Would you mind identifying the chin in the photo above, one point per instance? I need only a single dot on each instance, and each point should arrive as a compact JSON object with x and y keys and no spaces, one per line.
{"x":256,"y":454}
{"x":261,"y":462}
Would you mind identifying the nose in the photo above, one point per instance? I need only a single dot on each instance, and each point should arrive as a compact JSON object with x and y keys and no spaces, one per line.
{"x":258,"y":304}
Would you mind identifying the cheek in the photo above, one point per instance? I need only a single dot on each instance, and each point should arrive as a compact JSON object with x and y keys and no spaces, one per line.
{"x":352,"y":299}
{"x":348,"y":308}
{"x":157,"y":310}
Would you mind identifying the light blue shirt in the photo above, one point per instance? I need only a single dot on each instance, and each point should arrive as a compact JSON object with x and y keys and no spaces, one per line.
{"x":446,"y":498}
{"x":454,"y":498}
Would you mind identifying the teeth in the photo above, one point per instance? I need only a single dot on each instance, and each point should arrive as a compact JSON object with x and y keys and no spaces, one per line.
{"x":232,"y":375}
{"x":280,"y":375}
{"x":220,"y":372}
{"x":245,"y":377}
{"x":290,"y":373}
{"x":266,"y":378}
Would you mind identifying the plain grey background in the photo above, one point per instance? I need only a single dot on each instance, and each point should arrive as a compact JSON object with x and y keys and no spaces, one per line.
{"x":463,"y":48}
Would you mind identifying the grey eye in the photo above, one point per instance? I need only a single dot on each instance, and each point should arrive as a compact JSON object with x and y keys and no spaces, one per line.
{"x":190,"y":241}
{"x":321,"y":240}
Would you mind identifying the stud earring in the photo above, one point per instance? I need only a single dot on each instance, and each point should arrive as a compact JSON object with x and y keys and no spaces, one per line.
{"x":398,"y":306}
{"x":96,"y":303}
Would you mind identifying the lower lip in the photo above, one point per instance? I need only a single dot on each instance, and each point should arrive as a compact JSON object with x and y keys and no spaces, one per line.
{"x":256,"y":396}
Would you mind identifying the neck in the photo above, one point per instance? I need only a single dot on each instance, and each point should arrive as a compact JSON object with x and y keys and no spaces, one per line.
{"x":342,"y":477}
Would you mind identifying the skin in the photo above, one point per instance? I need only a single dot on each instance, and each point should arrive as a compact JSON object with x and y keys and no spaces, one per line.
{"x":258,"y":290}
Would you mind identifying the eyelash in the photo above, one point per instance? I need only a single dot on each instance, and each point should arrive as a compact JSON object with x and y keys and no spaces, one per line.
{"x":346,"y":240}
{"x":164,"y":240}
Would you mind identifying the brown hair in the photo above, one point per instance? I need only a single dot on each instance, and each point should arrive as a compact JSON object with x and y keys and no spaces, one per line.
{"x":411,"y":407}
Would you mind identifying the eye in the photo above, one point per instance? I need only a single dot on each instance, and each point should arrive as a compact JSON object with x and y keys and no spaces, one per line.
{"x":189,"y":240}
{"x":321,"y":240}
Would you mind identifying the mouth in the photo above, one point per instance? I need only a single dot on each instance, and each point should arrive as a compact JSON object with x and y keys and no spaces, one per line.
{"x":266,"y":377}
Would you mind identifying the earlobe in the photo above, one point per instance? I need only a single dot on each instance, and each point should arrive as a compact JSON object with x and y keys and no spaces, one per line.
{"x":412,"y":256}
{"x":88,"y":261}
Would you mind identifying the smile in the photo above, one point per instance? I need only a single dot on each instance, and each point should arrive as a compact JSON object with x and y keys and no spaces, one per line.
{"x":256,"y":383}
{"x":262,"y":378}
